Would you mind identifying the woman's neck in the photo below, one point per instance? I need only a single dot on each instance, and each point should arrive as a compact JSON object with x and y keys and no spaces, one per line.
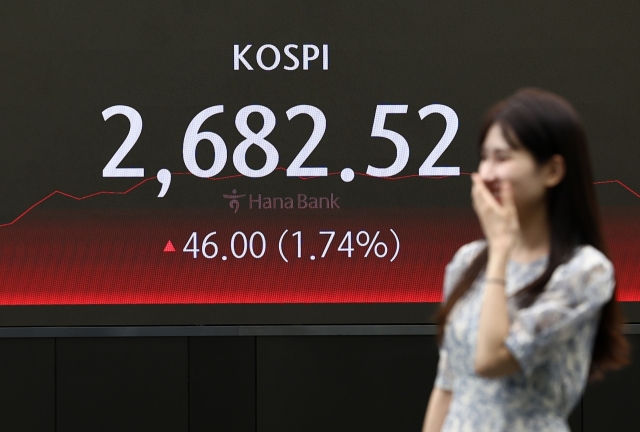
{"x":534,"y":239}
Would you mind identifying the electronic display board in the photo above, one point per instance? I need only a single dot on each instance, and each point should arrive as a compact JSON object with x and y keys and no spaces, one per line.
{"x":241,"y":158}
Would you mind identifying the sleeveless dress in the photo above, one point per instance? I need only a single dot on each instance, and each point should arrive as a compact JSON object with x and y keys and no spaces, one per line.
{"x":552,"y":341}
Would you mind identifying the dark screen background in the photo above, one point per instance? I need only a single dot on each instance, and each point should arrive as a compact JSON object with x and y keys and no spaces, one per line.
{"x":62,"y":64}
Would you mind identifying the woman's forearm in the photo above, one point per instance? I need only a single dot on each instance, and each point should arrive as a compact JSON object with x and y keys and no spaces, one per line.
{"x":437,"y":410}
{"x":492,"y":357}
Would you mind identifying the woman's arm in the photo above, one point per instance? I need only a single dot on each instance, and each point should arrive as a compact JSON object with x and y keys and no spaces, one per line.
{"x":493,"y":359}
{"x":436,"y":410}
{"x":500,"y":225}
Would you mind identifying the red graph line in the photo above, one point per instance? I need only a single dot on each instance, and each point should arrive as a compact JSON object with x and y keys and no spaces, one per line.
{"x":620,"y":183}
{"x":137,"y":185}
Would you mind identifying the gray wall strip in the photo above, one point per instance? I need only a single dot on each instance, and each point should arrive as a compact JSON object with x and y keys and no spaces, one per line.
{"x":338,"y":330}
{"x":283,"y":330}
{"x":159,"y":331}
{"x":631,"y":329}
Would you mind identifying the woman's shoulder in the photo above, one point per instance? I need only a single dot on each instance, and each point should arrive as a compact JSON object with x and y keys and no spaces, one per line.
{"x":587,"y":275}
{"x":586,"y":259}
{"x":458,"y":264}
{"x":467,"y":252}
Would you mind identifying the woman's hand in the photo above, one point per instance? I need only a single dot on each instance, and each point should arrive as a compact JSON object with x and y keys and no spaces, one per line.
{"x":499,"y":221}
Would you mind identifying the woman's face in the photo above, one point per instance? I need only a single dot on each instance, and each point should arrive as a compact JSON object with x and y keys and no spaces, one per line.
{"x":530,"y":181}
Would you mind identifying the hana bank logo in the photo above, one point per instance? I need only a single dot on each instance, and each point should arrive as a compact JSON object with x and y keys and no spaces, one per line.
{"x":234,"y":203}
{"x":302,"y":201}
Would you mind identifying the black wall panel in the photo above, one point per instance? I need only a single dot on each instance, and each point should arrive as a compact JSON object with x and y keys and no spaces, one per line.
{"x":575,"y":419}
{"x":27,"y":385}
{"x":122,"y":384}
{"x":247,"y":383}
{"x":612,"y":404}
{"x":222,"y":384}
{"x":344,"y":383}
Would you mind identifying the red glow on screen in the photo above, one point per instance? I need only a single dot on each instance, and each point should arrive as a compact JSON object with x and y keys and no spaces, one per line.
{"x":69,"y":258}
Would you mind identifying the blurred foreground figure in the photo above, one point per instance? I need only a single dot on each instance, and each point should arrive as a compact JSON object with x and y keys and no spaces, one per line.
{"x":529,"y":311}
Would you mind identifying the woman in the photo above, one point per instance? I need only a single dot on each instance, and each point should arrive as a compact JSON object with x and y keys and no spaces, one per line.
{"x":529,"y":311}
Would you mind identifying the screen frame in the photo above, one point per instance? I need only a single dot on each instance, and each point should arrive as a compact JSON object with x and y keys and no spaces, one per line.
{"x":115,"y":316}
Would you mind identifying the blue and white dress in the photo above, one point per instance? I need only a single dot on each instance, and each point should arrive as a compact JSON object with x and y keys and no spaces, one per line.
{"x":552,"y":340}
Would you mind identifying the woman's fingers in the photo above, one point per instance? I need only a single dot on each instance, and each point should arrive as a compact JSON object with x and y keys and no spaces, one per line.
{"x":475,"y":194}
{"x":481,"y":194}
{"x":499,"y":220}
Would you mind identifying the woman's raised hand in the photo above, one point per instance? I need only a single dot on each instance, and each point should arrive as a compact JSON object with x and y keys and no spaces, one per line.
{"x":499,"y":221}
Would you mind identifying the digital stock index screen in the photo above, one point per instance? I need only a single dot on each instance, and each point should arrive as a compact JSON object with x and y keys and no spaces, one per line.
{"x":186,"y":162}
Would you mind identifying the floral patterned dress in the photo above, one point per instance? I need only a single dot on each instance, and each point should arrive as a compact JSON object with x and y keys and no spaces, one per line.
{"x":552,"y":341}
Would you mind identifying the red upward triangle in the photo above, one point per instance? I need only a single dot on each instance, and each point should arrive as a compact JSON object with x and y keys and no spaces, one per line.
{"x":169,"y":247}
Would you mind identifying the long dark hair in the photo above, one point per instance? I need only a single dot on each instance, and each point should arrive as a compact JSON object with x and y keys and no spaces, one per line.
{"x":545,"y":124}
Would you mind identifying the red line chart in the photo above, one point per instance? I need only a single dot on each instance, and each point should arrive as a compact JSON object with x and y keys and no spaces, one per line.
{"x":137,"y":185}
{"x":620,"y":183}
